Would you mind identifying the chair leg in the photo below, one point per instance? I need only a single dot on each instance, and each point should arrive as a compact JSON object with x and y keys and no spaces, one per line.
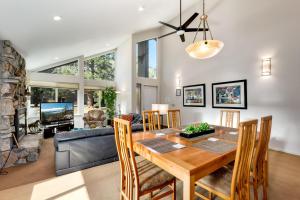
{"x":265,"y":191}
{"x":255,"y":192}
{"x":174,"y":190}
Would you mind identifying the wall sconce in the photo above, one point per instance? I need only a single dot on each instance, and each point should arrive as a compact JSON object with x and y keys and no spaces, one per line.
{"x":178,"y":82}
{"x":266,"y":67}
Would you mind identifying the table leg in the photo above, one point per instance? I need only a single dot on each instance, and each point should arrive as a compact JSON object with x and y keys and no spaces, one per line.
{"x":189,"y":188}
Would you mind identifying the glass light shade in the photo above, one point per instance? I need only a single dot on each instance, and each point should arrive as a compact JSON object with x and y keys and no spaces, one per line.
{"x":266,"y":67}
{"x":204,"y":49}
{"x":162,"y":108}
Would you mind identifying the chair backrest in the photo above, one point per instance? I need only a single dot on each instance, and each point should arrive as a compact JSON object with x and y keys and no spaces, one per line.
{"x":174,"y":118}
{"x":240,"y":185}
{"x":153,"y":117}
{"x":227,"y":118}
{"x":129,"y":174}
{"x":262,"y":147}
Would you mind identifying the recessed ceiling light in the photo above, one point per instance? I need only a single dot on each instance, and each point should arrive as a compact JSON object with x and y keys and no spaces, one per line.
{"x":55,"y":58}
{"x":141,"y":8}
{"x":57,"y":18}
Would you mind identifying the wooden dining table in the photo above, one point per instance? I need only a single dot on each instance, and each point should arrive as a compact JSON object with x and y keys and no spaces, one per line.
{"x":190,"y":163}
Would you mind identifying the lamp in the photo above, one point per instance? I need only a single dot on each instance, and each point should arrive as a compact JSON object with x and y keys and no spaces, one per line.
{"x":266,"y":67}
{"x":205,"y":48}
{"x":162,"y":108}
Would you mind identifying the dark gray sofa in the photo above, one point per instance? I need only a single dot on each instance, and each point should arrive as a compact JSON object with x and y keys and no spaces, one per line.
{"x":81,"y":149}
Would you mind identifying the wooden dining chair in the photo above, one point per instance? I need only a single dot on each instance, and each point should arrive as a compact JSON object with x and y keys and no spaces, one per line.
{"x":227,"y":118}
{"x":153,"y":119}
{"x":260,"y":159}
{"x":139,"y":179}
{"x":174,"y":118}
{"x":233,"y":184}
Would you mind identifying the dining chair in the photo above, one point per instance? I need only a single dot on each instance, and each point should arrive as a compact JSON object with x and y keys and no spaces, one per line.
{"x":231,"y":184}
{"x":174,"y":118}
{"x":139,"y":179}
{"x":259,"y":172}
{"x":153,"y":117}
{"x":227,"y":118}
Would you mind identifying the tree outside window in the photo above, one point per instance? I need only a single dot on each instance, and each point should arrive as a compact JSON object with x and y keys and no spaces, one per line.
{"x":100,"y":67}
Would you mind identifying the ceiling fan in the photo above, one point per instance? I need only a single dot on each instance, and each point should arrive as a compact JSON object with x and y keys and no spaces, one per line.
{"x":182,"y":28}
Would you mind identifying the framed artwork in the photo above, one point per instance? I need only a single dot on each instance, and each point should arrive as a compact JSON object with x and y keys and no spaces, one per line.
{"x":232,"y":94}
{"x":194,"y":95}
{"x":178,"y":92}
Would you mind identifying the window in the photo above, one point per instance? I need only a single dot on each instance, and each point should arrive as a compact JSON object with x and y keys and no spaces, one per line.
{"x":65,"y":69}
{"x":92,"y":99}
{"x":100,"y":67}
{"x":39,"y":94}
{"x":67,"y":95}
{"x":147,"y":59}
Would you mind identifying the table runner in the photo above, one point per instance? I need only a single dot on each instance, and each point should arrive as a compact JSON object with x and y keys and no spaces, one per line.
{"x":159,"y":144}
{"x":165,"y":131}
{"x":215,"y":146}
{"x":228,"y":136}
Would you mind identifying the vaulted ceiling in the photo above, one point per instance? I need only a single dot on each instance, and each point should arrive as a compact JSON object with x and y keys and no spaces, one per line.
{"x":87,"y":26}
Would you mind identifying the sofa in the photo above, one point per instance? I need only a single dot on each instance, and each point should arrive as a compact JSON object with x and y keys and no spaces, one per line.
{"x":80,"y":149}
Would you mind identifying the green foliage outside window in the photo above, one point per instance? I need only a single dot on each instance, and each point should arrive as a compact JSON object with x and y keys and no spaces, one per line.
{"x":66,"y":69}
{"x":100,"y":67}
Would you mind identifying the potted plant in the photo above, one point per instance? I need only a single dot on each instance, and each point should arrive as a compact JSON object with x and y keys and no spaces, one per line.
{"x":195,"y":130}
{"x":109,"y":95}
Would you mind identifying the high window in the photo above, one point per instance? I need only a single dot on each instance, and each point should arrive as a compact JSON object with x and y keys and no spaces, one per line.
{"x":65,"y":69}
{"x":146,"y":58}
{"x":100,"y":67}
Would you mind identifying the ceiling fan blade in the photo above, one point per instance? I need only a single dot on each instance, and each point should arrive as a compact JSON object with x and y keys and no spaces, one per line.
{"x":182,"y":38}
{"x":190,"y":20}
{"x":194,"y":29}
{"x":169,"y":25}
{"x":166,"y":34}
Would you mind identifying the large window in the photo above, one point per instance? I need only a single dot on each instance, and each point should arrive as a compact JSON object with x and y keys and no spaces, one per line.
{"x":65,"y":69}
{"x":100,"y":67}
{"x":39,"y":95}
{"x":146,"y":59}
{"x":92,"y":99}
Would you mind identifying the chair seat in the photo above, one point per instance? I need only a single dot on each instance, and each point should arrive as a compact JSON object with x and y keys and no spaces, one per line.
{"x":151,"y":176}
{"x":220,"y":181}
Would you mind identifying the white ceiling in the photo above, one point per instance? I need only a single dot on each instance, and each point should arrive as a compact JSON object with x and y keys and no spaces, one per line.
{"x":87,"y":26}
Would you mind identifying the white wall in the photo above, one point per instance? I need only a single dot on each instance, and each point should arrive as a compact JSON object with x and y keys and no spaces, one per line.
{"x":124,"y":76}
{"x":250,"y":30}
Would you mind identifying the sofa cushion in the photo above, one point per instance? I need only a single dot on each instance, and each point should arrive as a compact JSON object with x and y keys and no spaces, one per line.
{"x":84,"y":133}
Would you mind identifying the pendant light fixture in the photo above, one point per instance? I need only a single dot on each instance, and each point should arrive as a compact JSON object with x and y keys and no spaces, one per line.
{"x":205,"y":48}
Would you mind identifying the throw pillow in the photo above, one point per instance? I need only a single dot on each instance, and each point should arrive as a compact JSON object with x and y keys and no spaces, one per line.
{"x":127,"y":117}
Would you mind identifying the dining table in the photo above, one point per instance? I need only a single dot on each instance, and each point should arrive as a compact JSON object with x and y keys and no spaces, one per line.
{"x":188,"y":159}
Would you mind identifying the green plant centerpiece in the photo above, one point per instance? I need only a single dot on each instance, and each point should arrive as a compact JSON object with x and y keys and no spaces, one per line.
{"x":109,"y":95}
{"x":195,"y":130}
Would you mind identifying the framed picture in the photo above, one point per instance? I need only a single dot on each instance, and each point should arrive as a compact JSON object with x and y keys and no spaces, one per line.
{"x":232,"y":94}
{"x":194,"y":95}
{"x":178,"y":92}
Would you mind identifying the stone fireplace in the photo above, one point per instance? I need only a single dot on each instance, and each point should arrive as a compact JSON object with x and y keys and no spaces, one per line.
{"x":12,"y":98}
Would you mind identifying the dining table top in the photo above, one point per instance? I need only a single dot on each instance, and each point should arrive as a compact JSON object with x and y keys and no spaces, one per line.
{"x":189,"y":160}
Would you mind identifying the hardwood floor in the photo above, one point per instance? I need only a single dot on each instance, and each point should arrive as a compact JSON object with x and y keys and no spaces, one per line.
{"x":102,"y":182}
{"x":37,"y":171}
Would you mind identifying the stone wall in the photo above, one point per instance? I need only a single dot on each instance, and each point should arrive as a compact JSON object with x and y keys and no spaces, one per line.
{"x":12,"y":93}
